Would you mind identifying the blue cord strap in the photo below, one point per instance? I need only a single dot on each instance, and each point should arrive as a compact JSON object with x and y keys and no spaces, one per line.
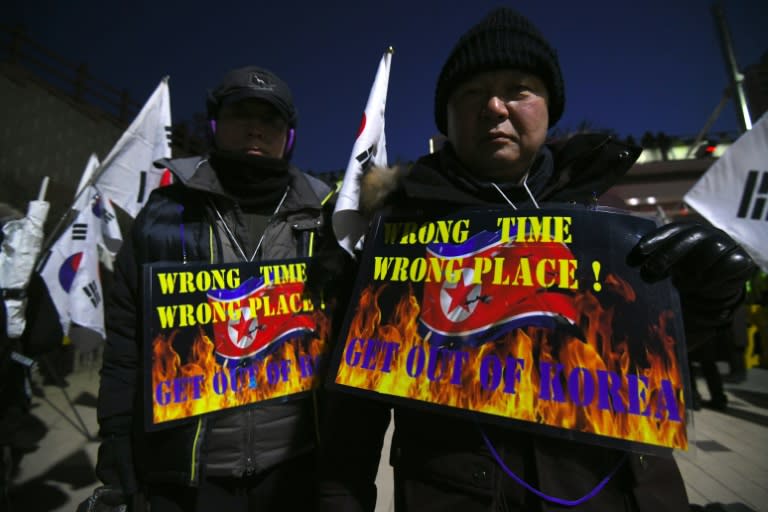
{"x":181,"y":233}
{"x":552,"y":499}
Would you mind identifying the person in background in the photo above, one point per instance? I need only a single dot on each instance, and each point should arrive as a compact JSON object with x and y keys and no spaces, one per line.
{"x":704,"y":359}
{"x":20,"y":430}
{"x":737,"y":363}
{"x":242,"y":202}
{"x":499,"y":92}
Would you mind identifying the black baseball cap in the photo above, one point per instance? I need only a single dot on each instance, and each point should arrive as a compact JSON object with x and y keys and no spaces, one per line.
{"x":253,"y":82}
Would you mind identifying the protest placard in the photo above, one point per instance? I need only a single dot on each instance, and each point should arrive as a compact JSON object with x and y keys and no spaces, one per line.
{"x":529,"y":318}
{"x":226,"y":335}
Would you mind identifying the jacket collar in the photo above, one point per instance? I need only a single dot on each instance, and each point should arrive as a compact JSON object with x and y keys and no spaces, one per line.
{"x":583,"y":166}
{"x":196,"y":173}
{"x":443,"y":176}
{"x":587,"y":165}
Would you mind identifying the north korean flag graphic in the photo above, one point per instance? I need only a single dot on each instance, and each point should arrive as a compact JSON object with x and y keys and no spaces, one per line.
{"x":473,"y":309}
{"x":260,"y":317}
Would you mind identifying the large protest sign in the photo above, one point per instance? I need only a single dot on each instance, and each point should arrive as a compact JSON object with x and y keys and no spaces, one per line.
{"x":222,"y":336}
{"x":530,"y":318}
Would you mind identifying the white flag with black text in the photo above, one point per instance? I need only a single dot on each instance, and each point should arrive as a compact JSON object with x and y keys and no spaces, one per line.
{"x":733,"y":193}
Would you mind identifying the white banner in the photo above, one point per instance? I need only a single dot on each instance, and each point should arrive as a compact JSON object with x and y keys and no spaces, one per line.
{"x":733,"y":193}
{"x":370,"y":148}
{"x":128,"y":174}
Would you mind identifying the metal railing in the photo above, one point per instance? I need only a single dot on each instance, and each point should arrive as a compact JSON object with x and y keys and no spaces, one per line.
{"x":70,"y":78}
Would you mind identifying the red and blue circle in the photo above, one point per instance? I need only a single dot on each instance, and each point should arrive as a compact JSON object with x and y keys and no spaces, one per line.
{"x":68,"y":270}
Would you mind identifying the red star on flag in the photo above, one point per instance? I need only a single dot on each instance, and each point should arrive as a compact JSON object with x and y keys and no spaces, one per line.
{"x":459,"y":295}
{"x":243,"y":327}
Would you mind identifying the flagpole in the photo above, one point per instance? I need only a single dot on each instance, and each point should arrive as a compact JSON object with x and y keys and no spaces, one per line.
{"x":737,"y":79}
{"x":43,"y":189}
{"x":712,"y":118}
{"x":66,"y":219}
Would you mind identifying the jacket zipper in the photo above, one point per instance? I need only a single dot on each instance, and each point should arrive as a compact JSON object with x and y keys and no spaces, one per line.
{"x":195,"y":446}
{"x":249,"y":462}
{"x":249,"y":465}
{"x":199,"y":429}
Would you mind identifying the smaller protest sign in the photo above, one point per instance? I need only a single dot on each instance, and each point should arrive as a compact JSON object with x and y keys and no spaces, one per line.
{"x":227,"y":335}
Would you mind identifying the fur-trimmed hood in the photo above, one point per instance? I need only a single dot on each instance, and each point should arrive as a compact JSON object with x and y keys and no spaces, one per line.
{"x":378,"y":185}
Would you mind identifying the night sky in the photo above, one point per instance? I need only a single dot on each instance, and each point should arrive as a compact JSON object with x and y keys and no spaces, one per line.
{"x":628,"y":66}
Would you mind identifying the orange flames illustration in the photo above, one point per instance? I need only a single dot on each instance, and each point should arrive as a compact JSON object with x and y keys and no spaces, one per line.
{"x":167,"y":367}
{"x":599,"y":351}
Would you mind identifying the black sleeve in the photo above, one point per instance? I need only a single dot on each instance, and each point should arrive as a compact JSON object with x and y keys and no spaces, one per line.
{"x":121,"y":360}
{"x":331,"y":272}
{"x":352,"y":439}
{"x":42,"y":333}
{"x":352,"y":428}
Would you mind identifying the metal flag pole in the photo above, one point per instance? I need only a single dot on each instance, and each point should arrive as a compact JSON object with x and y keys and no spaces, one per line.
{"x":712,"y":118}
{"x":83,"y":429}
{"x":737,"y":79}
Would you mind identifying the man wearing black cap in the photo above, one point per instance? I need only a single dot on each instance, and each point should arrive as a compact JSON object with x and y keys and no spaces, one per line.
{"x":243,"y":202}
{"x":499,"y":92}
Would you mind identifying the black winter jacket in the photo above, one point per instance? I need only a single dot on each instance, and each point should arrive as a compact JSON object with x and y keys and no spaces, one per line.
{"x":442,"y":463}
{"x":177,"y":454}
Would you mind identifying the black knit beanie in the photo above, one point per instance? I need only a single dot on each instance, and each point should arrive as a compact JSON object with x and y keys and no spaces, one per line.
{"x":504,"y":39}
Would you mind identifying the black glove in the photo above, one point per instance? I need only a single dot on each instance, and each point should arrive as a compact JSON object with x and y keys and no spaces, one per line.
{"x":706,"y":265}
{"x":330,"y":272}
{"x":107,"y":498}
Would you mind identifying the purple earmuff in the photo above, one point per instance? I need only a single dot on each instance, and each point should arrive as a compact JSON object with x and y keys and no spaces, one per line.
{"x":289,"y":141}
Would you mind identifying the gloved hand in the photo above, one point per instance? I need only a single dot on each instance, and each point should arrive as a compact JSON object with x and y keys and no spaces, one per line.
{"x":107,"y":498}
{"x":331,"y":271}
{"x":114,"y":467}
{"x":706,"y":265}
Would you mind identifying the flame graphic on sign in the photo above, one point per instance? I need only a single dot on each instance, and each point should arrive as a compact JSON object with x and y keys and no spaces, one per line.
{"x":167,"y":367}
{"x":599,"y":350}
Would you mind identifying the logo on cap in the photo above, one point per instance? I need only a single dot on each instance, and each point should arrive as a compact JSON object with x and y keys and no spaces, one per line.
{"x":259,"y":83}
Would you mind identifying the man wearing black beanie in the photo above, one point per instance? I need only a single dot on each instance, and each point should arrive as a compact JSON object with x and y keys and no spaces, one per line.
{"x":498,"y":93}
{"x":242,"y":202}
